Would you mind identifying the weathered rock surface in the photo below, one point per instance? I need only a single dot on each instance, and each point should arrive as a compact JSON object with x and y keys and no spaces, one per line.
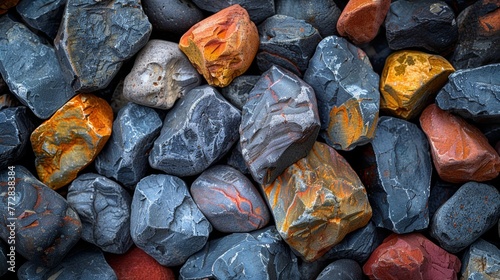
{"x":15,"y":131}
{"x":481,"y":261}
{"x":43,"y":15}
{"x":237,"y":91}
{"x":172,"y":16}
{"x":345,"y":269}
{"x":258,"y":10}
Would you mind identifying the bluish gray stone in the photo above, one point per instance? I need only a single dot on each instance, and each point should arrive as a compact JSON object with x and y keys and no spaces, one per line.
{"x":172,"y":16}
{"x":441,"y":191}
{"x":236,"y":160}
{"x":481,"y":261}
{"x":4,"y":259}
{"x":258,"y":10}
{"x":15,"y":131}
{"x":43,"y":15}
{"x":344,"y":269}
{"x":237,"y":91}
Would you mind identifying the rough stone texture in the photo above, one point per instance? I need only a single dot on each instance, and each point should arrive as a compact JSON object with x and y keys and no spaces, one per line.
{"x":165,"y":221}
{"x":361,"y":19}
{"x":261,"y":254}
{"x":481,"y":261}
{"x":411,"y":256}
{"x":125,"y":157}
{"x":460,"y":152}
{"x":161,"y":74}
{"x":172,"y":16}
{"x":345,"y":269}
{"x":317,"y":201}
{"x":410,"y":80}
{"x":121,"y":30}
{"x":71,"y":139}
{"x":441,"y":191}
{"x":237,"y":91}
{"x":197,"y":132}
{"x":222,"y":46}
{"x":229,"y":200}
{"x":287,"y":42}
{"x":15,"y":130}
{"x":467,"y":215}
{"x":43,"y":15}
{"x":236,"y":160}
{"x":473,"y":93}
{"x":258,"y":10}
{"x":46,"y":227}
{"x":347,"y":91}
{"x":30,"y":68}
{"x":6,"y":5}
{"x":428,"y":24}
{"x":279,"y":124}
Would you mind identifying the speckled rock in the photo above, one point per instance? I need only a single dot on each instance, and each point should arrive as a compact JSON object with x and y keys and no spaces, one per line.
{"x":345,"y":269}
{"x":237,"y":91}
{"x":43,"y":15}
{"x":172,"y":16}
{"x":15,"y":131}
{"x":258,"y":10}
{"x":481,"y":261}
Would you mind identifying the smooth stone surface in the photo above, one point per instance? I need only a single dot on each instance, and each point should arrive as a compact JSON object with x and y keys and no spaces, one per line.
{"x":161,"y":75}
{"x":122,"y":29}
{"x":279,"y":124}
{"x":197,"y":132}
{"x":172,"y":16}
{"x":467,"y":215}
{"x":347,"y":91}
{"x":237,"y":91}
{"x":165,"y":221}
{"x":43,"y":15}
{"x":258,"y":10}
{"x":481,"y":261}
{"x":345,"y":269}
{"x":15,"y":131}
{"x":236,"y":160}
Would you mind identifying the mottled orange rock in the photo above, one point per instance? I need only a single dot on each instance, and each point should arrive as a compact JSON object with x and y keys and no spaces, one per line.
{"x":409,"y":80}
{"x":222,"y":46}
{"x":460,"y":151}
{"x":71,"y":139}
{"x":5,"y":5}
{"x":361,"y":19}
{"x":317,"y":201}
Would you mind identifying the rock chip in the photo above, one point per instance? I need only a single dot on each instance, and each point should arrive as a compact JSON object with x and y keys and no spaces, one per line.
{"x":481,"y":261}
{"x":6,"y":5}
{"x":258,"y":10}
{"x":345,"y":269}
{"x":43,"y":15}
{"x":237,"y":91}
{"x":15,"y":131}
{"x":172,"y":16}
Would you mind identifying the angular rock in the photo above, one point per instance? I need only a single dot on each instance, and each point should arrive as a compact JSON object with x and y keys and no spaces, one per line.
{"x":222,"y":46}
{"x":125,"y":157}
{"x":165,"y":221}
{"x":46,"y":227}
{"x":467,"y":215}
{"x":347,"y":91}
{"x":441,"y":191}
{"x":229,"y":200}
{"x":236,"y":160}
{"x":172,"y":16}
{"x":30,"y":68}
{"x":43,"y":15}
{"x":71,"y":139}
{"x":481,"y":261}
{"x":345,"y":269}
{"x":258,"y":10}
{"x":15,"y":131}
{"x":196,"y":133}
{"x":410,"y":80}
{"x":237,"y":91}
{"x":121,"y":30}
{"x":460,"y":152}
{"x":317,"y":201}
{"x":6,"y":5}
{"x":161,"y":74}
{"x":279,"y":124}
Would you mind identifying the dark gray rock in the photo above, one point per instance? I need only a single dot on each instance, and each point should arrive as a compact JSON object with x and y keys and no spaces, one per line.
{"x":279,"y":124}
{"x":441,"y":191}
{"x":172,"y":16}
{"x":91,"y":57}
{"x":125,"y":156}
{"x":467,"y":215}
{"x":236,"y":160}
{"x":258,"y":10}
{"x":196,"y":133}
{"x":481,"y":261}
{"x":378,"y":51}
{"x":261,"y":254}
{"x":5,"y":261}
{"x":15,"y":131}
{"x":491,"y":131}
{"x":237,"y":91}
{"x":344,"y":269}
{"x":30,"y":68}
{"x":165,"y":221}
{"x":43,"y":15}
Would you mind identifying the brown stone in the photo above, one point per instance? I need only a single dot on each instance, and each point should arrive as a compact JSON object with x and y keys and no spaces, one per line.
{"x":317,"y":201}
{"x":222,"y":46}
{"x":5,"y":5}
{"x":460,"y":151}
{"x":409,"y":80}
{"x":71,"y":139}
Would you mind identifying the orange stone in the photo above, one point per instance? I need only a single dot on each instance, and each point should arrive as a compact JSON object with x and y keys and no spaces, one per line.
{"x":460,"y":151}
{"x":409,"y":80}
{"x":317,"y":201}
{"x":222,"y":46}
{"x":5,"y":5}
{"x":71,"y":139}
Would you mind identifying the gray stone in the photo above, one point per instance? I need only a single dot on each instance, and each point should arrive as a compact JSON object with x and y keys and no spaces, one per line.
{"x":198,"y":131}
{"x":172,"y":16}
{"x":481,"y":261}
{"x":43,"y":15}
{"x":279,"y":124}
{"x":441,"y":191}
{"x":344,"y":269}
{"x":237,"y":91}
{"x":236,"y":160}
{"x":15,"y":131}
{"x":5,"y":261}
{"x":30,"y":68}
{"x":258,"y":10}
{"x":165,"y":221}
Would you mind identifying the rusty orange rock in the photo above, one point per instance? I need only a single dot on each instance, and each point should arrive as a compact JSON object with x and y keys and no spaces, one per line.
{"x":460,"y":151}
{"x":409,"y":80}
{"x":71,"y":139}
{"x":5,"y":5}
{"x":222,"y":46}
{"x":317,"y":201}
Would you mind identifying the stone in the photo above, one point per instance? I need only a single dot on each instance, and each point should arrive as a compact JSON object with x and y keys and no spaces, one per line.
{"x":43,"y":15}
{"x":410,"y":80}
{"x":222,"y":46}
{"x":411,"y":256}
{"x":6,"y":5}
{"x":317,"y":201}
{"x":473,"y":93}
{"x":287,"y":42}
{"x":15,"y":131}
{"x":165,"y":221}
{"x":345,"y":269}
{"x":4,"y":259}
{"x":237,"y":91}
{"x":121,"y":30}
{"x":378,"y":51}
{"x":197,"y":132}
{"x":229,"y":200}
{"x":125,"y":157}
{"x":30,"y":68}
{"x":361,"y":19}
{"x":236,"y":160}
{"x":46,"y":227}
{"x":118,"y":101}
{"x":161,"y":75}
{"x":279,"y":124}
{"x":427,"y":24}
{"x":441,"y":191}
{"x":260,"y":254}
{"x":467,"y":215}
{"x":347,"y":91}
{"x":481,"y":261}
{"x":71,"y":139}
{"x":172,"y":16}
{"x":460,"y":152}
{"x":258,"y":10}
